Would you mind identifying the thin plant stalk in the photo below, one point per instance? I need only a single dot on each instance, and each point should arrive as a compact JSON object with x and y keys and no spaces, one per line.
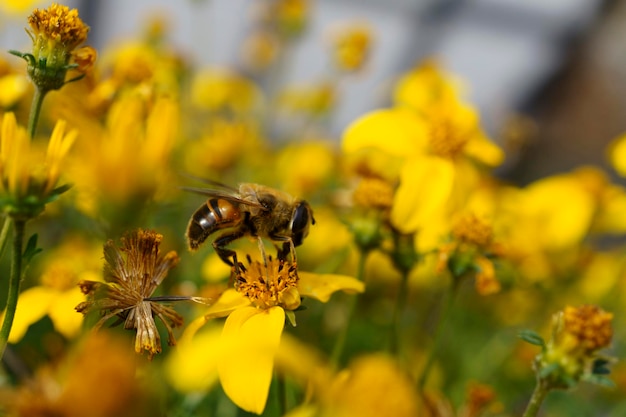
{"x":537,"y":398}
{"x":14,"y":284}
{"x":434,"y":350}
{"x":340,"y":342}
{"x":35,"y":111}
{"x":4,"y":235}
{"x":401,"y":299}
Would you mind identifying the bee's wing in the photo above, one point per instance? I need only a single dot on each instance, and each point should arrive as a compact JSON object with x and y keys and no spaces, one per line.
{"x":228,"y":196}
{"x":210,"y":182}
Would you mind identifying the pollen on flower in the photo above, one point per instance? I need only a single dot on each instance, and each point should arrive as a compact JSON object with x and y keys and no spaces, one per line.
{"x":590,"y":325}
{"x":446,"y":138}
{"x":373,"y":193}
{"x":471,"y":229}
{"x":274,"y":284}
{"x":59,"y":24}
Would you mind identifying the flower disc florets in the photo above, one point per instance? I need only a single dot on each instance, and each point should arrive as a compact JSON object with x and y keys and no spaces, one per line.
{"x":269,"y":285}
{"x":56,"y":32}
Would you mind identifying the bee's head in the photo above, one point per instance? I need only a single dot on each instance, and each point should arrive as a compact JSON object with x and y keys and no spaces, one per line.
{"x":301,"y":220}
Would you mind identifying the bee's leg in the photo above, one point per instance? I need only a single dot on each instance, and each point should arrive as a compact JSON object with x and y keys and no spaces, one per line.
{"x":288,"y":247}
{"x":262,"y":250}
{"x":226,"y":254}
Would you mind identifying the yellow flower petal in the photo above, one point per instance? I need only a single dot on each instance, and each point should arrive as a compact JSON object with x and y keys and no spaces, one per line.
{"x":229,"y":301}
{"x":31,"y":307}
{"x":192,"y":367}
{"x":560,"y":211}
{"x":396,"y":132}
{"x":617,"y":155}
{"x":65,"y":319}
{"x":425,"y":187}
{"x":322,"y":286}
{"x":245,"y":370}
{"x":482,"y":149}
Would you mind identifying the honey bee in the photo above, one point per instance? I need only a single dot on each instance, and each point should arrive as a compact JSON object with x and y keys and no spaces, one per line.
{"x":253,"y":210}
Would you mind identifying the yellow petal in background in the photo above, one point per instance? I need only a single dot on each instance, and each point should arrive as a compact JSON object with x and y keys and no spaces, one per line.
{"x":425,"y":187}
{"x":394,"y":131}
{"x":32,"y":305}
{"x":560,"y":211}
{"x":617,"y":155}
{"x":192,"y":366}
{"x":65,"y":319}
{"x":322,"y":286}
{"x":245,"y":369}
{"x":483,"y":150}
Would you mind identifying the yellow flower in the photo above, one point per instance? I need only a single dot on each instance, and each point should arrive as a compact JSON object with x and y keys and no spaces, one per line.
{"x":98,"y":378}
{"x":57,"y":294}
{"x":28,"y":181}
{"x":14,"y":85}
{"x":132,"y":273}
{"x":125,"y":163}
{"x":313,"y":100}
{"x":437,"y":153}
{"x":372,"y":385}
{"x":471,"y":250}
{"x":218,"y":89}
{"x":352,"y":45}
{"x":55,"y":32}
{"x":578,"y":333}
{"x":424,"y":86}
{"x":617,"y":154}
{"x":305,"y":166}
{"x":256,"y":308}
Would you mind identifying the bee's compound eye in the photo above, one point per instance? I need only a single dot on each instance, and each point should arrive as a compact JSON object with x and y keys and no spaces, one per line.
{"x":300,"y":222}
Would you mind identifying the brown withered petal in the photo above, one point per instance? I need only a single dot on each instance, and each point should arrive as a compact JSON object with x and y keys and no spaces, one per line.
{"x":132,"y":272}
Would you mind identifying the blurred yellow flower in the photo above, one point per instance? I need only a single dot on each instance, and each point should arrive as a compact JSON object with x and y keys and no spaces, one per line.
{"x":18,"y":6}
{"x":471,"y":250}
{"x":617,"y":154}
{"x":256,"y":309}
{"x":373,"y":385}
{"x":57,"y":294}
{"x":98,"y":379}
{"x":13,"y":85}
{"x":305,"y":166}
{"x":436,"y":152}
{"x":424,"y":86}
{"x":28,"y":179}
{"x":351,"y":46}
{"x":126,"y":161}
{"x":218,"y":89}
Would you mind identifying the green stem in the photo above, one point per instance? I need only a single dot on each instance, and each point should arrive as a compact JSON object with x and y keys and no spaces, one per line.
{"x":35,"y":110}
{"x":401,"y":299}
{"x":340,"y":342}
{"x":14,"y":284}
{"x":539,"y":394}
{"x":443,"y":318}
{"x":4,"y":234}
{"x":283,"y":407}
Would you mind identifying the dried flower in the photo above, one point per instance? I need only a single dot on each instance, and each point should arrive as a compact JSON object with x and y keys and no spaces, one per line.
{"x":132,"y":273}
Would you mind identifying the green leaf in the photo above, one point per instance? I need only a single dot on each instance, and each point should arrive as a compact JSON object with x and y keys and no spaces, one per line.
{"x":599,"y":380}
{"x":31,"y":249}
{"x":532,"y":337}
{"x":291,"y":316}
